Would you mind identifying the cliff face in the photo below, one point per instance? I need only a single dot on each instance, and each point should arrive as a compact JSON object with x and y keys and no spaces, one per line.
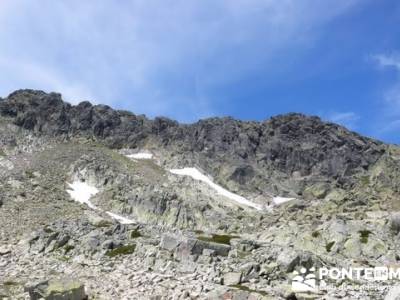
{"x":283,"y":154}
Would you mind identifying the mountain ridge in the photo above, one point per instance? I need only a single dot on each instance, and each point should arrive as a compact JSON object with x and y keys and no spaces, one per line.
{"x":224,"y":147}
{"x":57,"y":97}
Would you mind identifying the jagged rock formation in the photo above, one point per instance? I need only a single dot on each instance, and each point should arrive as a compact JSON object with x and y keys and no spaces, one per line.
{"x":184,"y":240}
{"x":283,"y":154}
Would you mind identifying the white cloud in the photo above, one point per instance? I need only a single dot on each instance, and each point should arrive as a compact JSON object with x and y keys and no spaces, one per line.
{"x":390,"y":113}
{"x":388,"y":60}
{"x":347,"y":119}
{"x":392,"y":98}
{"x":39,"y":76}
{"x":392,"y":94}
{"x":152,"y":56}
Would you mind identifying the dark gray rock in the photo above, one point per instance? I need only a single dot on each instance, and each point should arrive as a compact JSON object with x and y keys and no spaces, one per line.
{"x":219,"y":249}
{"x":249,"y":270}
{"x":395,"y":222}
{"x":251,"y":155}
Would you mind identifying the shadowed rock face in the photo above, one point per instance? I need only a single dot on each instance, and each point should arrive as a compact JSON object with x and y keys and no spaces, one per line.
{"x":286,"y":152}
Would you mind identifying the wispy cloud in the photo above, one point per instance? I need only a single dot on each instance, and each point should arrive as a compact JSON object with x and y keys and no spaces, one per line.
{"x":40,"y":76}
{"x":151,"y":56}
{"x":391,"y":96}
{"x":388,"y":60}
{"x":347,"y":119}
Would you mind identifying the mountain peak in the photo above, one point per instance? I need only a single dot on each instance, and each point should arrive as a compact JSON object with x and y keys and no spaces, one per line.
{"x":289,"y":144}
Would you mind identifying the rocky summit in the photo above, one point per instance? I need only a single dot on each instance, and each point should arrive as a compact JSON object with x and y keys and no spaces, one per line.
{"x":97,"y":203}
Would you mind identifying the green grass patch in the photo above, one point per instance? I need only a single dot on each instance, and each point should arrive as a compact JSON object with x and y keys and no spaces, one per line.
{"x":123,"y":250}
{"x":365,"y":180}
{"x":47,"y":229}
{"x":218,"y":238}
{"x":29,"y":174}
{"x":119,"y":157}
{"x":247,"y":289}
{"x":103,"y":224}
{"x":315,"y":234}
{"x":329,"y":246}
{"x":10,"y":283}
{"x":364,"y":234}
{"x":68,"y":248}
{"x":135,"y":234}
{"x":63,"y":258}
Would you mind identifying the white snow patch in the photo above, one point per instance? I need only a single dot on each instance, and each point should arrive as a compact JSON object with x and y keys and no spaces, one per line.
{"x":197,"y":175}
{"x":119,"y":218}
{"x":82,"y":192}
{"x":281,"y":200}
{"x":140,"y":155}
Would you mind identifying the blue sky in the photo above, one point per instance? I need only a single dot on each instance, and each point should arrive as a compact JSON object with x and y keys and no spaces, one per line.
{"x":190,"y":59}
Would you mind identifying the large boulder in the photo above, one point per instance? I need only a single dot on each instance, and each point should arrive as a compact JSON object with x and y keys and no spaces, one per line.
{"x":186,"y":246}
{"x":57,"y":289}
{"x":290,"y":258}
{"x":232,"y":278}
{"x":170,"y":242}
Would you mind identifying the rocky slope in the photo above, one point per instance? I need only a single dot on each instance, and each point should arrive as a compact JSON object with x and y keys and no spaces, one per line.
{"x":251,"y":202}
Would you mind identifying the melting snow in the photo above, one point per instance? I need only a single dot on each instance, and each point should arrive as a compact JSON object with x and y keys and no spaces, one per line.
{"x":119,"y":218}
{"x":141,"y":155}
{"x":82,"y":192}
{"x":197,"y":175}
{"x":281,"y":200}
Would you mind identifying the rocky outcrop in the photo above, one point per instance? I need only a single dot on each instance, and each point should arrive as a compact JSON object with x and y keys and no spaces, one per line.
{"x":185,"y":247}
{"x":57,"y":289}
{"x":284,"y":154}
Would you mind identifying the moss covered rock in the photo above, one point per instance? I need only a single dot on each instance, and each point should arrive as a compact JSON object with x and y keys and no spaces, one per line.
{"x":57,"y":289}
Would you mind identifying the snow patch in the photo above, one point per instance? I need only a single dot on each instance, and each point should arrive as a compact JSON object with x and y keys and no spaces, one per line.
{"x":140,"y":155}
{"x":197,"y":175}
{"x":281,"y":200}
{"x":82,"y":192}
{"x":119,"y":218}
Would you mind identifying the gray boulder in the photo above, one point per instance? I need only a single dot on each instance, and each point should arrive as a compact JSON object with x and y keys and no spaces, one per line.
{"x":232,"y":278}
{"x":57,"y":289}
{"x":186,"y":246}
{"x":169,"y":242}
